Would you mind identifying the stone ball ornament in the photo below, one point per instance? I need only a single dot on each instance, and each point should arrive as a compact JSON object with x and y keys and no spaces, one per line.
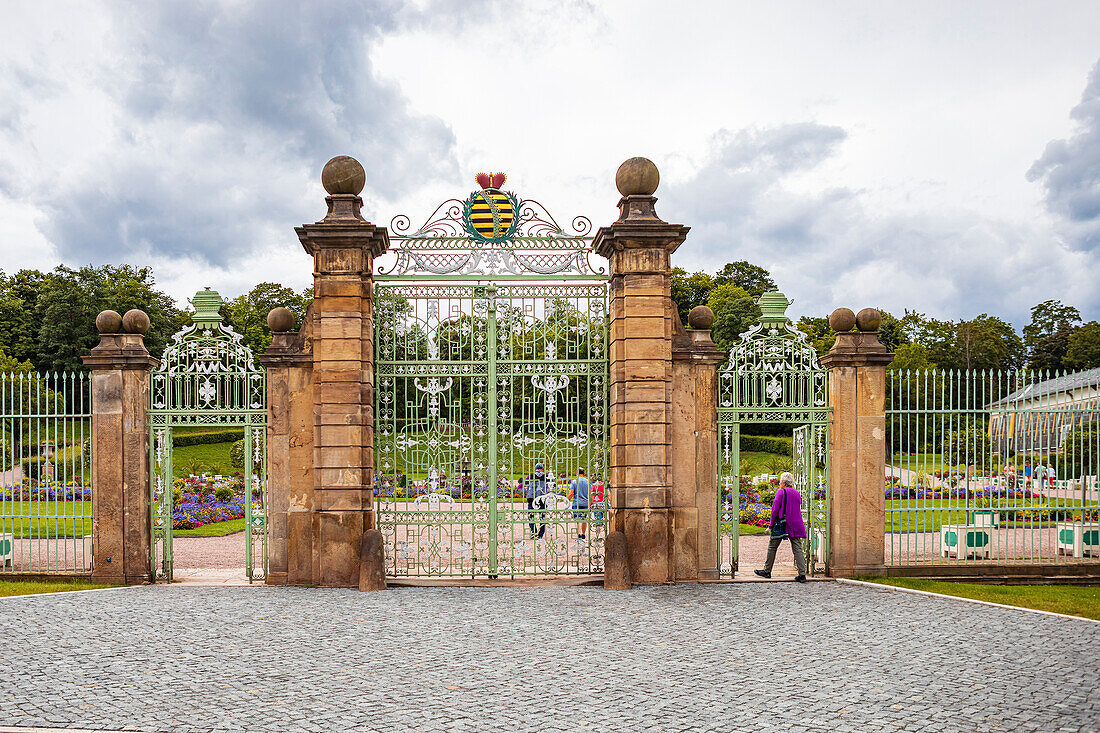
{"x":701,"y":318}
{"x":108,"y":322}
{"x":842,"y":320}
{"x":868,"y":319}
{"x":135,"y":321}
{"x":280,"y":320}
{"x":343,"y":175}
{"x":637,"y":177}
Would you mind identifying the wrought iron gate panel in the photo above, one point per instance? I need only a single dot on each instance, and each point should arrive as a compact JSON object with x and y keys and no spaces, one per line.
{"x":491,"y":357}
{"x":208,"y":378}
{"x":772,"y":376}
{"x":810,"y":449}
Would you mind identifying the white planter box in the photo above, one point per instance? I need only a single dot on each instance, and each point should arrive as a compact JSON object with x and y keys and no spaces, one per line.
{"x":1078,"y":538}
{"x":7,"y":547}
{"x":965,"y":540}
{"x":987,"y":519}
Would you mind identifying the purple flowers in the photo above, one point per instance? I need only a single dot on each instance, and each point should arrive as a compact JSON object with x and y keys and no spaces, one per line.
{"x":200,"y":500}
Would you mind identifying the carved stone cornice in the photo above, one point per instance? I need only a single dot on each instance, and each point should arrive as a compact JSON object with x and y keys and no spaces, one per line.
{"x":120,"y":351}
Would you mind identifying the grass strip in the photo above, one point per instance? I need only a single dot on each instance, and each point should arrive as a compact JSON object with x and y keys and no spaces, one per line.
{"x":30,"y":587}
{"x":215,"y":529}
{"x":1072,"y":600}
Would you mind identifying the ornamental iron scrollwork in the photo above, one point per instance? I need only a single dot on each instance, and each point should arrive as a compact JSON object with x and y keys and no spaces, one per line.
{"x":492,"y":232}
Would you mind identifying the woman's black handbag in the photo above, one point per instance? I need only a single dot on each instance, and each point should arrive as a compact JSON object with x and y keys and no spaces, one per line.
{"x":779,"y":526}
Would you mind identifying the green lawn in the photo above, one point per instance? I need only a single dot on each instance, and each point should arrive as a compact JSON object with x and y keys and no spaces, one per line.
{"x":756,"y":463}
{"x":28,"y":587}
{"x":217,"y":529}
{"x":40,"y":518}
{"x":210,"y":458}
{"x":1073,"y":600}
{"x":747,"y":529}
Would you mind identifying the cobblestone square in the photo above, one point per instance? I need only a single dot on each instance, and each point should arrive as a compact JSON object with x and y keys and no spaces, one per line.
{"x":744,"y":657}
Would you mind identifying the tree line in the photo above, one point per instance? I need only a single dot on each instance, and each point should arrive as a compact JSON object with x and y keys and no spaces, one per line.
{"x":47,"y":319}
{"x":1055,"y":339}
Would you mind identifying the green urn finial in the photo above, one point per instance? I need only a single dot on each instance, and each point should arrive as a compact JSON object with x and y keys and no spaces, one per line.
{"x":773,"y":309}
{"x":207,"y":306}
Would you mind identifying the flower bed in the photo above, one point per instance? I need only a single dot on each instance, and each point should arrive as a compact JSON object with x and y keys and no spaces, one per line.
{"x":28,"y":491}
{"x":200,"y":500}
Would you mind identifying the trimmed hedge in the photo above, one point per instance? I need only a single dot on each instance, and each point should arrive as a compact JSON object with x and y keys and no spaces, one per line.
{"x":216,"y":436}
{"x":765,"y":444}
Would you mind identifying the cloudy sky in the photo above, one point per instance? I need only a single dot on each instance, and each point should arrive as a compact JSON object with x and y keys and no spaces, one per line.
{"x":943,"y":157}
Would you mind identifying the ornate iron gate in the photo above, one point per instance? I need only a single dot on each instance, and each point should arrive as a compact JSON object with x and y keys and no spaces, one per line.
{"x":491,"y":329}
{"x":772,"y":376}
{"x":208,"y":378}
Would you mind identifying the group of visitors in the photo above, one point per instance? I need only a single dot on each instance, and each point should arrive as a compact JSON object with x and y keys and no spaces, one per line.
{"x":1037,"y":476}
{"x":538,"y":485}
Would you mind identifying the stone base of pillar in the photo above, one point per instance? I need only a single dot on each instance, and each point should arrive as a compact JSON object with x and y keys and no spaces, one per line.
{"x":648,"y":534}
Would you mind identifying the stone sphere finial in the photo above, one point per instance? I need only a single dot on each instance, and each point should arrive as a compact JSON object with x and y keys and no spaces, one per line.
{"x":842,"y":320}
{"x":343,"y":174}
{"x":280,"y":320}
{"x":637,"y":177}
{"x":868,"y":319}
{"x":108,"y":322}
{"x":701,"y":318}
{"x":135,"y":321}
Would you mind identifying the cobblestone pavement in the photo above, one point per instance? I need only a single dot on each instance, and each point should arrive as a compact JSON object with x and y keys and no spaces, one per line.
{"x":748,"y":657}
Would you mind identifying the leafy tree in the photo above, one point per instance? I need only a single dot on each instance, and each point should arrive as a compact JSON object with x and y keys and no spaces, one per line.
{"x":1083,"y":348}
{"x":18,"y":313}
{"x":735,"y":311}
{"x":987,"y":342}
{"x":911,"y":356}
{"x":818,"y":333}
{"x":247,"y":313}
{"x":689,"y":291}
{"x":755,"y":280}
{"x":69,"y":300}
{"x":1046,"y":338}
{"x":984,"y":342}
{"x":890,"y":333}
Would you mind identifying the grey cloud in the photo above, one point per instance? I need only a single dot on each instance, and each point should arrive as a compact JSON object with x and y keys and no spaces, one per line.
{"x":827,"y":248}
{"x":223,"y":113}
{"x":1070,"y":171}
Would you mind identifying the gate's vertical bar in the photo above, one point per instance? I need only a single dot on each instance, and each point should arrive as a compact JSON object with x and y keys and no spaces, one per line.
{"x":494,"y":459}
{"x":248,"y":473}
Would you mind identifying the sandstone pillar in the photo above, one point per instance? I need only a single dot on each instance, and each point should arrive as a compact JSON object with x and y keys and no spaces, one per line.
{"x":857,"y":455}
{"x":289,"y":364}
{"x":343,"y":246}
{"x":694,"y":497}
{"x":121,"y":531}
{"x":638,"y":247}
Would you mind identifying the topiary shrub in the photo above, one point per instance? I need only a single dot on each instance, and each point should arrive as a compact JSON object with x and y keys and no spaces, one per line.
{"x":236,"y":455}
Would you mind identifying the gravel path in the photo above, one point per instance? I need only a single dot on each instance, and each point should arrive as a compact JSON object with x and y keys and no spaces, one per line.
{"x":744,"y":657}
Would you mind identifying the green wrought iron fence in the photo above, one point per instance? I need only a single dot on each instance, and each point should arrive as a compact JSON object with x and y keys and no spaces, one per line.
{"x":45,"y":460}
{"x":491,"y":358}
{"x":773,"y":377}
{"x":996,"y":467}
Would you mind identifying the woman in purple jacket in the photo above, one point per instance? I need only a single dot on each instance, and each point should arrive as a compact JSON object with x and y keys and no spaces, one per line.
{"x":787,"y":505}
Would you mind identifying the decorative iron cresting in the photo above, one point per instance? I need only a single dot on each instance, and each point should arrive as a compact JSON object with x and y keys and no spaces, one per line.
{"x":516,"y":237}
